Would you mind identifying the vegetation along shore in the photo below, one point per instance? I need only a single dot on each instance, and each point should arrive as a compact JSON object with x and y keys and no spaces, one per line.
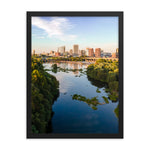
{"x":44,"y":90}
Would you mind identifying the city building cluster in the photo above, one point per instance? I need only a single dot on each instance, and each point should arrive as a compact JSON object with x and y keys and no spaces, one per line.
{"x":76,"y":52}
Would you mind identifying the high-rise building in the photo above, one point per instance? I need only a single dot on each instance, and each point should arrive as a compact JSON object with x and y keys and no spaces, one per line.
{"x":82,"y":52}
{"x":57,"y":54}
{"x":97,"y":52}
{"x":91,"y":52}
{"x":87,"y":52}
{"x":102,"y":53}
{"x":71,"y":52}
{"x":61,"y":50}
{"x":75,"y":50}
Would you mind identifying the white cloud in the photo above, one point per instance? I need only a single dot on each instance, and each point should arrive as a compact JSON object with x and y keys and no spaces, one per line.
{"x":55,"y":28}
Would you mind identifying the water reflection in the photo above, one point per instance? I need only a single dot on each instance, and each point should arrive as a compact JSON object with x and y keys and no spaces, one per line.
{"x":74,"y":116}
{"x":96,"y":83}
{"x":75,"y":67}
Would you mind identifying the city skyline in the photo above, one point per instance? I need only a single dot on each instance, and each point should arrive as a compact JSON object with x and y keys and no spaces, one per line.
{"x":49,"y":33}
{"x":75,"y":52}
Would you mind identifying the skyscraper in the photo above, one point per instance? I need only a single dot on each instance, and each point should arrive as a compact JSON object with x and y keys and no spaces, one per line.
{"x":91,"y":52}
{"x":82,"y":52}
{"x":57,"y":54}
{"x":87,"y":51}
{"x":75,"y":50}
{"x":97,"y":52}
{"x":71,"y":51}
{"x":61,"y":50}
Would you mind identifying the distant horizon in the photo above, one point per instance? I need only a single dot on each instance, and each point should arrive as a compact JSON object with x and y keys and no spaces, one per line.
{"x":49,"y":33}
{"x":67,"y":50}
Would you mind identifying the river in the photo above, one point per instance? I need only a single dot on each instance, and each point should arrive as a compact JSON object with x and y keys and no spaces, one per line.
{"x":73,"y":116}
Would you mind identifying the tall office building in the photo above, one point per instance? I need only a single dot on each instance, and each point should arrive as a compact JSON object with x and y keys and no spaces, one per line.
{"x":61,"y":50}
{"x":102,"y":53}
{"x":57,"y":54}
{"x":87,"y":52}
{"x":75,"y":50}
{"x":97,"y":52}
{"x":91,"y":52}
{"x":82,"y":52}
{"x":71,"y":52}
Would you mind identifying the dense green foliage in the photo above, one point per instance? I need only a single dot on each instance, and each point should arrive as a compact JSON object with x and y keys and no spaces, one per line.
{"x":68,"y":59}
{"x":98,"y":91}
{"x":106,"y":71}
{"x":41,"y":58}
{"x":106,"y":100}
{"x":93,"y":102}
{"x":54,"y":68}
{"x":44,"y":89}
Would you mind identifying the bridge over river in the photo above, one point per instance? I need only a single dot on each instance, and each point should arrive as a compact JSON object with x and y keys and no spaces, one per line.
{"x":86,"y":59}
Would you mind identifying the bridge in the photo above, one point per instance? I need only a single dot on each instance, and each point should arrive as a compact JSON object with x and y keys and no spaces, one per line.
{"x":86,"y":59}
{"x":96,"y":58}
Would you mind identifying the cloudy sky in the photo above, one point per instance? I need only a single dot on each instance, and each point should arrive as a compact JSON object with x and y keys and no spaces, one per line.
{"x":49,"y":33}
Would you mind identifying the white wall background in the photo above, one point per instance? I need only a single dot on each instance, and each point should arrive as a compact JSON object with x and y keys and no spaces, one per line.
{"x":13,"y":74}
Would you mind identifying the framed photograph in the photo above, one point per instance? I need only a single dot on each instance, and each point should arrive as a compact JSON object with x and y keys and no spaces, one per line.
{"x":74,"y":74}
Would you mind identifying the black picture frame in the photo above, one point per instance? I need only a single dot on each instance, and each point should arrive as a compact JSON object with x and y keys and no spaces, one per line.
{"x":29,"y":42}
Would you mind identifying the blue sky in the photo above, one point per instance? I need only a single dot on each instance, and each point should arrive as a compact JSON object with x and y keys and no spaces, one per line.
{"x":49,"y":33}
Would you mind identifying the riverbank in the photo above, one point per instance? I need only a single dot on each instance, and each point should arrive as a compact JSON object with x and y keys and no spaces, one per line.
{"x":44,"y":90}
{"x":106,"y":71}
